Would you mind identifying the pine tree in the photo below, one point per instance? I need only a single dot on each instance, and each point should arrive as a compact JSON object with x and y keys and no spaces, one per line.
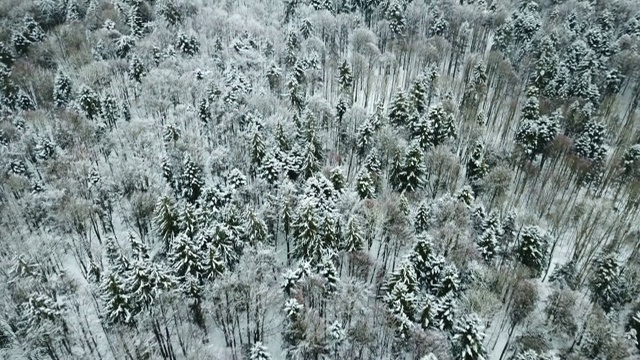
{"x":477,"y":168}
{"x":117,"y":308}
{"x":345,"y":78}
{"x":89,"y":102}
{"x":590,"y":144}
{"x":466,"y":195}
{"x":532,"y":250}
{"x":353,"y":238}
{"x":413,"y":171}
{"x":337,"y":179}
{"x":61,"y":90}
{"x":188,"y":45}
{"x":136,"y":22}
{"x":364,"y":137}
{"x":488,"y":245}
{"x":307,"y":233}
{"x":421,"y":219}
{"x":419,"y":95}
{"x":270,"y":168}
{"x":327,"y":270}
{"x":191,"y":181}
{"x":109,"y":110}
{"x":395,"y":16}
{"x":136,"y":69}
{"x":400,"y":110}
{"x":605,"y":283}
{"x":166,"y":220}
{"x":396,"y":176}
{"x":259,"y":352}
{"x":364,"y":185}
{"x":185,"y":256}
{"x":445,"y":313}
{"x":449,"y":281}
{"x":468,"y":341}
{"x":6,"y":57}
{"x":442,"y":125}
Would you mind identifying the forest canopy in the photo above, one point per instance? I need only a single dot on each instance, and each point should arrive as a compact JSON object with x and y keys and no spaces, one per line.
{"x":320,"y":179}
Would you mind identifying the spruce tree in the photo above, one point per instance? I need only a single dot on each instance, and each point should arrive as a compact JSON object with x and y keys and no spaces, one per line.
{"x":337,"y":179}
{"x":166,"y":220}
{"x":259,"y":352}
{"x":354,"y":241}
{"x":364,"y":185}
{"x":191,"y":181}
{"x":400,"y":110}
{"x":89,"y":102}
{"x":468,"y":341}
{"x":488,"y":245}
{"x":605,"y":283}
{"x":136,"y":69}
{"x":414,"y":170}
{"x":307,"y":233}
{"x":532,"y":250}
{"x":185,"y":256}
{"x":445,"y":313}
{"x":61,"y":90}
{"x":395,"y":16}
{"x":345,"y":78}
{"x":421,"y":219}
{"x":117,"y":303}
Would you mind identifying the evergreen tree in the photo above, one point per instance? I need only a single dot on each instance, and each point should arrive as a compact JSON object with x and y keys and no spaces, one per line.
{"x":307,"y":232}
{"x":61,"y":90}
{"x":166,"y":220}
{"x":400,"y":110}
{"x":442,"y":125}
{"x":6,"y":57}
{"x":185,"y":256}
{"x":89,"y":102}
{"x":259,"y":352}
{"x":395,"y":16}
{"x":419,"y":95}
{"x":353,"y":238}
{"x":191,"y":181}
{"x":257,"y":147}
{"x":468,"y":341}
{"x":445,"y":313}
{"x":117,"y":308}
{"x":606,"y":283}
{"x":270,"y":168}
{"x":345,"y":78}
{"x":337,"y":179}
{"x":414,"y":170}
{"x":396,"y":177}
{"x":477,"y":168}
{"x":109,"y":110}
{"x":532,"y":250}
{"x":449,"y":281}
{"x":136,"y":69}
{"x":364,"y":185}
{"x":136,"y":22}
{"x":421,"y":220}
{"x":590,"y":144}
{"x":488,"y":244}
{"x":364,"y":137}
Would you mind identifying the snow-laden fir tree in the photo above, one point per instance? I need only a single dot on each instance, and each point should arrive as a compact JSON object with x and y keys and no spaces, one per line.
{"x":488,"y":245}
{"x":307,"y":233}
{"x":477,"y":168}
{"x":590,"y":144}
{"x":364,"y":185}
{"x":532,"y":250}
{"x":117,"y":303}
{"x":418,"y":95}
{"x":345,"y":77}
{"x":61,"y":89}
{"x":188,"y":45}
{"x":294,"y":328}
{"x":166,"y":220}
{"x":270,"y":168}
{"x":109,"y":110}
{"x":445,"y":313}
{"x":89,"y":102}
{"x":364,"y":137}
{"x":337,"y":179}
{"x":413,"y":170}
{"x":353,"y":238}
{"x":259,"y":352}
{"x":442,"y":124}
{"x":327,"y":269}
{"x":421,"y":218}
{"x":185,"y":256}
{"x":400,"y":109}
{"x":136,"y":69}
{"x":191,"y":181}
{"x":449,"y":281}
{"x":468,"y":340}
{"x":396,"y":17}
{"x":606,"y":283}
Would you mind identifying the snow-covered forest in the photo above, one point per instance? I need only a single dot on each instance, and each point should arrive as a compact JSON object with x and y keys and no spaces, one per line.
{"x":320,"y":179}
